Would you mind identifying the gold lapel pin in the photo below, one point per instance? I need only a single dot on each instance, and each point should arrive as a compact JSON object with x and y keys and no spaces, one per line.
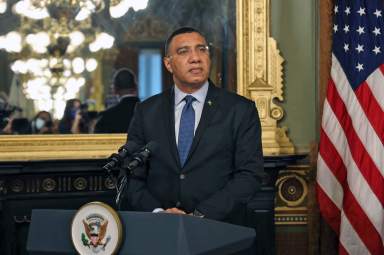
{"x":209,"y":103}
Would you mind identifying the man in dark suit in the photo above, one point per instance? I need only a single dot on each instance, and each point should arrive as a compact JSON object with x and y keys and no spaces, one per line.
{"x":209,"y":160}
{"x":116,"y":119}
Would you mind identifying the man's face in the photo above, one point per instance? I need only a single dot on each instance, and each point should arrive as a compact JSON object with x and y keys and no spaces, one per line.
{"x":188,"y":61}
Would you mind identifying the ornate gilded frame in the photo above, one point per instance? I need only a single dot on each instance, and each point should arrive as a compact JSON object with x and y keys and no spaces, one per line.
{"x":259,"y":72}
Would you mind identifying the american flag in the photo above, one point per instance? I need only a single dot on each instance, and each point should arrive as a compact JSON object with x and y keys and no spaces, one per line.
{"x":350,"y":183}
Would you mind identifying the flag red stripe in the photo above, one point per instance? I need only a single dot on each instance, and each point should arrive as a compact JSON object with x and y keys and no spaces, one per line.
{"x":362,"y":159}
{"x":361,"y":223}
{"x":332,"y":158}
{"x":329,"y":210}
{"x":342,"y":250}
{"x":381,"y":68}
{"x":375,"y":113}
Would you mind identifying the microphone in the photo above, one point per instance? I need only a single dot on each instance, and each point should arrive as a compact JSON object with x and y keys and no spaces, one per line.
{"x":116,"y":158}
{"x":141,"y":157}
{"x":138,"y":159}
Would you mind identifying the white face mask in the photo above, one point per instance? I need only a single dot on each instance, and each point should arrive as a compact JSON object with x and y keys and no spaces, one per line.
{"x":39,"y":123}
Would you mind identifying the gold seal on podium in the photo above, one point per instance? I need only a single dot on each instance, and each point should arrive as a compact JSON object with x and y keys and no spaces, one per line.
{"x":96,"y":229}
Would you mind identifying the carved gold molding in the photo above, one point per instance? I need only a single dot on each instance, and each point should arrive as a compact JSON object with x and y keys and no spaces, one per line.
{"x":259,"y":72}
{"x":52,"y":147}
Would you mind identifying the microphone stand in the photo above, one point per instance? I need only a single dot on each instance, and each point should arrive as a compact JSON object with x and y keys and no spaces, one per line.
{"x":137,"y":161}
{"x":109,"y":168}
{"x":120,"y":187}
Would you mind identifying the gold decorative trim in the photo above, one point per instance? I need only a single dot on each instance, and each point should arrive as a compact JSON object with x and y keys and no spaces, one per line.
{"x":260,"y":71}
{"x":49,"y":183}
{"x":80,"y":183}
{"x":292,"y":196}
{"x":292,"y":189}
{"x":53,"y":147}
{"x":289,"y":219}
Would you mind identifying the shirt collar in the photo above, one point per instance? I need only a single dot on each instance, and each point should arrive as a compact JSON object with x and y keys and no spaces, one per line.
{"x":200,"y":94}
{"x":126,"y":95}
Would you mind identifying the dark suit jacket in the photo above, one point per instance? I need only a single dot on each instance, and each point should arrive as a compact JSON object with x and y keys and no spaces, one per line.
{"x":117,"y":118}
{"x":225,"y":161}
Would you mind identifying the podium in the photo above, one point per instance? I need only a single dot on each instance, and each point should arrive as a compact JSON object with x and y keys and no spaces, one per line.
{"x":144,"y":233}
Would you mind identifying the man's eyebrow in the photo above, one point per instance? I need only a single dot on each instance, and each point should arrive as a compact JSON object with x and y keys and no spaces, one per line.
{"x":189,"y":46}
{"x":183,"y":47}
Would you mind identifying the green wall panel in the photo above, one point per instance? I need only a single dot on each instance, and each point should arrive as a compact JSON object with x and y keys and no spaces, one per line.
{"x":293,"y":25}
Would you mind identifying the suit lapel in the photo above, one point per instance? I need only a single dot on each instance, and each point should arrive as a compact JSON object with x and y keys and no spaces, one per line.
{"x":169,"y":121}
{"x":209,"y":109}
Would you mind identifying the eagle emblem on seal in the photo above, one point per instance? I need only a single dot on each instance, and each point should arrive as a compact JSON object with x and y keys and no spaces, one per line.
{"x":95,"y":228}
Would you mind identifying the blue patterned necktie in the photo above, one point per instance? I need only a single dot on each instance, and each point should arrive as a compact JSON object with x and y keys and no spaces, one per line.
{"x":186,"y":129}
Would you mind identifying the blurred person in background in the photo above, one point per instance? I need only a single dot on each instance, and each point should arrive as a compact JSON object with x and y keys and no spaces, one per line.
{"x":21,"y":126}
{"x":85,"y":119}
{"x":42,"y":123}
{"x":17,"y":126}
{"x":116,"y":119}
{"x":9,"y":124}
{"x":67,"y":124}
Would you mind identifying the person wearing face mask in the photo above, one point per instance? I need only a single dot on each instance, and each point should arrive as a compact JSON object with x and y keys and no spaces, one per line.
{"x":42,"y":123}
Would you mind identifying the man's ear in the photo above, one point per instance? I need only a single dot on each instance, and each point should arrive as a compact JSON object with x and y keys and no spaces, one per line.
{"x":167,"y":63}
